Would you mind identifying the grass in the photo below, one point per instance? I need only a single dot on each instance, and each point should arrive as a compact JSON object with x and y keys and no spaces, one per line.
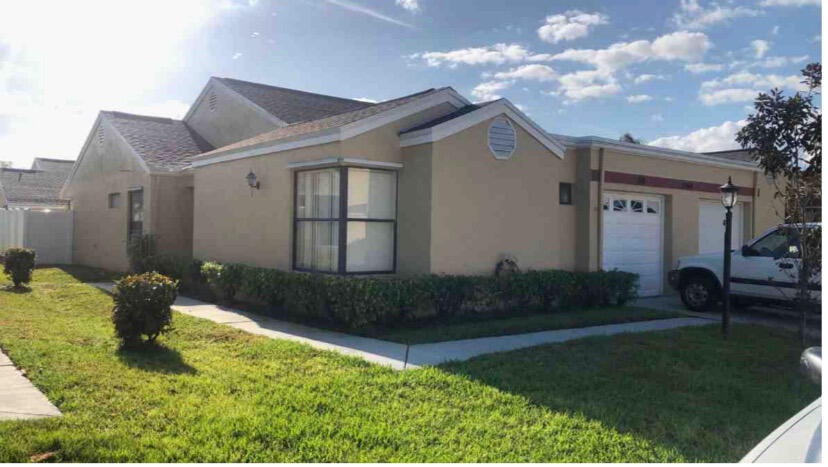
{"x":213,"y":393}
{"x":439,"y":332}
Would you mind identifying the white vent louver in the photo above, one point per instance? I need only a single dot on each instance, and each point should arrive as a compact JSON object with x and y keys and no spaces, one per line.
{"x":502,"y":138}
{"x":100,"y":135}
{"x":212,"y":101}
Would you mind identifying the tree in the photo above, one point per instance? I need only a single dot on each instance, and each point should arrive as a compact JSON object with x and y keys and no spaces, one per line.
{"x":629,"y":138}
{"x":784,"y":136}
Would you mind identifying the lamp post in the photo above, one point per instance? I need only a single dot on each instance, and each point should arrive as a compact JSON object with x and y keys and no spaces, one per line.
{"x":728,"y":201}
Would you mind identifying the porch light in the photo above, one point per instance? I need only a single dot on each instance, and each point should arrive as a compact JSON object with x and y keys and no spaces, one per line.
{"x":729,"y":194}
{"x":252,"y":182}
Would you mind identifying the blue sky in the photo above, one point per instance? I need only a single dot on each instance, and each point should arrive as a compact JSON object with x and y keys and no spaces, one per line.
{"x":677,"y":73}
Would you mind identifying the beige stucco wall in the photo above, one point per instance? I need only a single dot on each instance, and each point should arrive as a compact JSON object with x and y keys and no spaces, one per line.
{"x":233,"y":119}
{"x":100,"y":232}
{"x":233,"y":223}
{"x":484,"y":208}
{"x":681,"y":216}
{"x":414,"y":211}
{"x":100,"y":236}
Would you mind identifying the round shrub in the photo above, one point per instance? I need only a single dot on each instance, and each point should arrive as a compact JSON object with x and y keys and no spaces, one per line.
{"x":18,"y":264}
{"x":142,"y":306}
{"x":224,"y":279}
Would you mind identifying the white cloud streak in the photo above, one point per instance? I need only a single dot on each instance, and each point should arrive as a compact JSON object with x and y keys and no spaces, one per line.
{"x":691,"y":15}
{"x":363,"y":10}
{"x":703,"y":67}
{"x":488,"y":91}
{"x":639,"y":98}
{"x":531,"y":72}
{"x":760,"y":47}
{"x":410,"y":5}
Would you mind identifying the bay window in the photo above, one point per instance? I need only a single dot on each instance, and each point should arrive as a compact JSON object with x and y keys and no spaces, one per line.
{"x":345,"y":220}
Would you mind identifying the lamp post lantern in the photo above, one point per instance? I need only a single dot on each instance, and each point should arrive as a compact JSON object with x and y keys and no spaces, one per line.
{"x":729,"y":197}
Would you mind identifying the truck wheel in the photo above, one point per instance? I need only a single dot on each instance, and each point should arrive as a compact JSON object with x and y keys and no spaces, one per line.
{"x":699,"y":293}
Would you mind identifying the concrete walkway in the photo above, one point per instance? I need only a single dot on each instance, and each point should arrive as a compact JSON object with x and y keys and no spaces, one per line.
{"x":19,"y":399}
{"x":393,"y":354}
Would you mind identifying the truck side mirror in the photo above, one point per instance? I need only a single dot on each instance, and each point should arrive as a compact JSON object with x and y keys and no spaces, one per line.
{"x":747,"y":251}
{"x":811,"y":363}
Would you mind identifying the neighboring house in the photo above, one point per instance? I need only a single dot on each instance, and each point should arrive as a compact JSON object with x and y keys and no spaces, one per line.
{"x":36,"y":189}
{"x":426,"y":183}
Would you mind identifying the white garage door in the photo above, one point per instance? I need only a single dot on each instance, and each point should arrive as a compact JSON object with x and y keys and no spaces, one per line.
{"x":711,"y":227}
{"x":633,"y":238}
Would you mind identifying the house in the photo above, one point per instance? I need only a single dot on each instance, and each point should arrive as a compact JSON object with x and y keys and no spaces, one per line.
{"x":424,"y":183}
{"x":37,"y":188}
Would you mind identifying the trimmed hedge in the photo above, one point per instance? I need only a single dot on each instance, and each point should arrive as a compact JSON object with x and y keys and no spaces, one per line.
{"x":142,"y":306}
{"x":18,"y":264}
{"x":368,"y":301}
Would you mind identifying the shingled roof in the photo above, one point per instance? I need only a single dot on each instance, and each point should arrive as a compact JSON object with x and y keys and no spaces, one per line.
{"x":292,"y":106}
{"x":32,"y":187}
{"x":52,"y":165}
{"x":328,"y":123}
{"x":163,"y":143}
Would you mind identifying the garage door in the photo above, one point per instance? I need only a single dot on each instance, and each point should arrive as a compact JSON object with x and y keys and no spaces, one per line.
{"x":633,"y":238}
{"x":711,"y":227}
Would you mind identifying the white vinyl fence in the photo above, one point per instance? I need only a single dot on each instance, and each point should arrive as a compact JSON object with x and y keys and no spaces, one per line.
{"x":48,"y":233}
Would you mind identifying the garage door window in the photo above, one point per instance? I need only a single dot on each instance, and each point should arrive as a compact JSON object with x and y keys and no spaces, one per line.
{"x":653,"y":207}
{"x":637,"y":206}
{"x":619,"y":205}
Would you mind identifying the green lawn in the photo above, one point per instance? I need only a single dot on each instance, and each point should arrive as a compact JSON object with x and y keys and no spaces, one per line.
{"x":213,"y":393}
{"x":437,"y":332}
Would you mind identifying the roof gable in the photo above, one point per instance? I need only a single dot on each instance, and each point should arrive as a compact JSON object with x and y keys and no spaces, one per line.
{"x":472,"y":115}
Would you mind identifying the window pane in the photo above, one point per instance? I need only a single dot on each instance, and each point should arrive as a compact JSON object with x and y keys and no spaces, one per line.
{"x":606,"y":204}
{"x":637,"y":206}
{"x":317,"y":245}
{"x":775,"y":245}
{"x":565,"y":193}
{"x":370,"y":246}
{"x":652,"y":207}
{"x":372,"y":194}
{"x":619,"y":205}
{"x":317,"y":194}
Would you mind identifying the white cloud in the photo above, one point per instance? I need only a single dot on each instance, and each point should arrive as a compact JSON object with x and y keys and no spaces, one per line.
{"x":714,"y":138}
{"x":778,"y":62}
{"x":657,"y":118}
{"x":532,"y":72}
{"x":237,"y":55}
{"x":40,"y":83}
{"x":725,"y":96}
{"x":638,"y":98}
{"x":760,"y":47}
{"x":702,"y":67}
{"x":758,"y":81}
{"x":691,"y":15}
{"x":569,"y":26}
{"x":645,"y":78}
{"x":496,"y":54}
{"x":488,"y":91}
{"x":586,"y":84}
{"x":410,"y":5}
{"x":775,"y":31}
{"x":791,"y":2}
{"x":682,"y":45}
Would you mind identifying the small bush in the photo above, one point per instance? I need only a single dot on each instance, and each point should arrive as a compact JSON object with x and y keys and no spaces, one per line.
{"x":142,"y":306}
{"x":18,"y":264}
{"x":224,"y":279}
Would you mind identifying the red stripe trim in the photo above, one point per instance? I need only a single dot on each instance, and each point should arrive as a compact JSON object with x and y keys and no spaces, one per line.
{"x":662,"y":182}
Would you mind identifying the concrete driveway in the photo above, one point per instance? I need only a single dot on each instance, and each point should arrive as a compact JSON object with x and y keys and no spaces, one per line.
{"x":766,"y":316}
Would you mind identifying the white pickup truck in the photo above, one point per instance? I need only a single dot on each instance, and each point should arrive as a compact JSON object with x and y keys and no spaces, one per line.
{"x":764,"y":270}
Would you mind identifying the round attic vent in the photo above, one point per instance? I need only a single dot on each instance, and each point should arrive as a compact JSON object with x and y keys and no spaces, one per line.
{"x":502,"y":138}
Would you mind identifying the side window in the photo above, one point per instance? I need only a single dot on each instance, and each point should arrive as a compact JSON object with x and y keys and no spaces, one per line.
{"x":773,"y":245}
{"x":114,"y":200}
{"x":565,"y":193}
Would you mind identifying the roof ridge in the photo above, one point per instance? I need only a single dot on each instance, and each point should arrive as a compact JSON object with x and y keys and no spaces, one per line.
{"x":51,"y":159}
{"x":298,"y":91}
{"x":127,"y":115}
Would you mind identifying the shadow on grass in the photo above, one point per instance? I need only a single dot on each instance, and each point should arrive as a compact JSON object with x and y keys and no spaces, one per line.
{"x":156,"y":358}
{"x":86,"y":273}
{"x":22,"y":289}
{"x":685,"y":389}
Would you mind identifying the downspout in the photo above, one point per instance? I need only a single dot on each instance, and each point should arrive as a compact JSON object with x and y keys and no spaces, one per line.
{"x":754,"y":209}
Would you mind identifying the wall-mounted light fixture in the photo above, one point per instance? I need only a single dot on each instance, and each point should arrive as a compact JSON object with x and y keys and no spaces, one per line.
{"x":252,"y":182}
